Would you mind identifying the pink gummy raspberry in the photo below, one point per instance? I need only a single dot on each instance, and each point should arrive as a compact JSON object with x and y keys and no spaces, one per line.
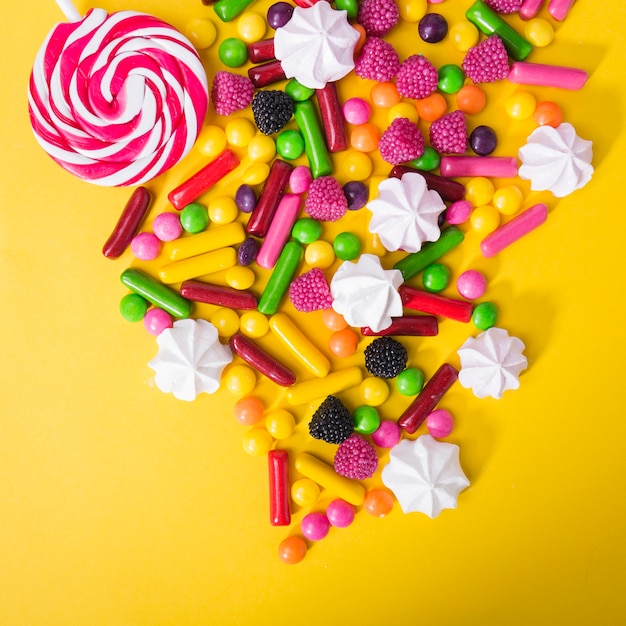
{"x":402,"y":141}
{"x":231,"y":92}
{"x":487,"y":61}
{"x":448,"y":134}
{"x":326,"y":200}
{"x":505,"y":7}
{"x":356,"y":458}
{"x":378,"y":17}
{"x":310,"y":292}
{"x":377,"y":60}
{"x":417,"y":77}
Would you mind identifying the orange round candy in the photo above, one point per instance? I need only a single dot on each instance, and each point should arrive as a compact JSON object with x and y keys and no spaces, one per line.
{"x":432,"y":107}
{"x":548,"y":113}
{"x":343,"y":343}
{"x":248,"y":410}
{"x":378,"y":502}
{"x":292,"y":550}
{"x":384,"y":95}
{"x":333,"y":320}
{"x":364,"y":137}
{"x":471,"y":99}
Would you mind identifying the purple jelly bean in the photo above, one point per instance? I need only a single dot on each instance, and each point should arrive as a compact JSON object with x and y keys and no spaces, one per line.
{"x":483,"y":140}
{"x":356,"y":195}
{"x":247,"y":251}
{"x":245,"y":199}
{"x":279,"y":14}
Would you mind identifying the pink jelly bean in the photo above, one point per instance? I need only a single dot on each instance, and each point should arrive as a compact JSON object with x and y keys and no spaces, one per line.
{"x":471,"y":284}
{"x":559,"y":9}
{"x":340,"y":513}
{"x":279,"y":230}
{"x":510,"y":232}
{"x":459,"y":212}
{"x":156,"y":321}
{"x":356,"y":111}
{"x":522,"y":73}
{"x":530,"y":8}
{"x":315,"y":526}
{"x":496,"y":167}
{"x":145,"y":246}
{"x":440,"y":423}
{"x":167,"y":226}
{"x":300,"y":179}
{"x":387,"y":435}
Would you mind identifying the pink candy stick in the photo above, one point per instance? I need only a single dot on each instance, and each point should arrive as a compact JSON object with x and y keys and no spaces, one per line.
{"x":496,"y":167}
{"x":529,"y":9}
{"x":523,"y":73}
{"x":559,"y":9}
{"x":279,"y":230}
{"x":515,"y":229}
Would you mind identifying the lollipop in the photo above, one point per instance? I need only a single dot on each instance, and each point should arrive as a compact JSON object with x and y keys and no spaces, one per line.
{"x":116,"y":99}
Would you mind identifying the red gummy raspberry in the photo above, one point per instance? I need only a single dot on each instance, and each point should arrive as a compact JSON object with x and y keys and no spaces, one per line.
{"x":487,"y":61}
{"x":401,"y":142}
{"x":231,"y":92}
{"x":417,"y":77}
{"x":449,"y":133}
{"x":377,"y":60}
{"x":378,"y":17}
{"x":326,"y":200}
{"x":505,"y":7}
{"x":310,"y":292}
{"x":356,"y":458}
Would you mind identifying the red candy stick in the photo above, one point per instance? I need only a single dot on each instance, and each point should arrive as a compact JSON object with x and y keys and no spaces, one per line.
{"x":261,"y":361}
{"x":408,"y":325}
{"x":428,"y":398}
{"x":332,"y":118}
{"x":433,"y":303}
{"x":203,"y":180}
{"x":128,"y":223}
{"x":260,"y":51}
{"x":266,"y":74}
{"x":273,"y":190}
{"x":450,"y":190}
{"x":197,"y":291}
{"x":278,"y":461}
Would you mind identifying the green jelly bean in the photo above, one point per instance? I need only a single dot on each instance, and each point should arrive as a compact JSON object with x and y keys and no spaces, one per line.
{"x":194,"y":218}
{"x":451,"y":78}
{"x":133,"y":307}
{"x":156,"y":293}
{"x":409,"y":382}
{"x":289,"y":144}
{"x":436,"y":277}
{"x":314,"y":142}
{"x":485,"y":315}
{"x":306,"y":230}
{"x":227,"y":10}
{"x":366,"y":420}
{"x":297,"y":91}
{"x":347,"y":246}
{"x":490,"y":23}
{"x":233,"y":52}
{"x":415,"y":262}
{"x":351,"y":6}
{"x":278,"y":284}
{"x":428,"y":162}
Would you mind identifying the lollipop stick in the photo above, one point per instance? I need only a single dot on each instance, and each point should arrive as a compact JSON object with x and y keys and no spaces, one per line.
{"x":69,"y":10}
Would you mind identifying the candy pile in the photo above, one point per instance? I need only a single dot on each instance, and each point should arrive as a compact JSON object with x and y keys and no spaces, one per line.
{"x":263,"y":274}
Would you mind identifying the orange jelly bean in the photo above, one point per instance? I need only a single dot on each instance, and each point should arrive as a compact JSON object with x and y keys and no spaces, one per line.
{"x":364,"y":137}
{"x":471,"y":99}
{"x":432,"y":107}
{"x":343,"y":343}
{"x":548,"y":113}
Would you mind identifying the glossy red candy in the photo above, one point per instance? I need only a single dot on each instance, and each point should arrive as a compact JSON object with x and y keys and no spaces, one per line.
{"x":260,"y":51}
{"x":197,"y":291}
{"x":128,"y":223}
{"x":331,"y":113}
{"x":450,"y":190}
{"x":278,"y":462}
{"x":434,"y":304}
{"x":408,"y":325}
{"x":266,"y":74}
{"x":261,"y":361}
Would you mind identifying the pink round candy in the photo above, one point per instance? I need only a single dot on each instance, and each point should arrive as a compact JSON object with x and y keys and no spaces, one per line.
{"x":167,"y":226}
{"x":340,"y":513}
{"x":300,"y":179}
{"x":157,"y":320}
{"x":387,"y":435}
{"x":440,"y":423}
{"x":458,"y":212}
{"x":315,"y":526}
{"x":145,"y":246}
{"x":471,"y":284}
{"x":356,"y":111}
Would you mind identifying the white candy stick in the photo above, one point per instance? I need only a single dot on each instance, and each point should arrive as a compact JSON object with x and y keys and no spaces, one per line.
{"x":69,"y":10}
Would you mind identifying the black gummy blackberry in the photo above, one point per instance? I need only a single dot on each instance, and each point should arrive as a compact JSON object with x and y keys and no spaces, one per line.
{"x":272,"y":110}
{"x":385,"y":357}
{"x":332,"y":422}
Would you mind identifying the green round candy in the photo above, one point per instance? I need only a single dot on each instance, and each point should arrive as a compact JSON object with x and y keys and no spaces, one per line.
{"x":306,"y":230}
{"x":351,"y":6}
{"x":194,"y":218}
{"x":233,"y":52}
{"x":428,"y":161}
{"x":297,"y":91}
{"x":289,"y":144}
{"x":485,"y":315}
{"x":347,"y":246}
{"x":133,"y":307}
{"x":409,"y":382}
{"x":451,"y":78}
{"x":366,"y":420}
{"x":436,"y":277}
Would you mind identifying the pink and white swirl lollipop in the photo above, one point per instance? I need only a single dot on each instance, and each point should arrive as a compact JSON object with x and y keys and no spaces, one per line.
{"x":116,"y":99}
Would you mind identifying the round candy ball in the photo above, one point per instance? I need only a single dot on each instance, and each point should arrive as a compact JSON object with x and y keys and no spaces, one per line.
{"x":315,"y":526}
{"x":485,"y":315}
{"x":247,"y":251}
{"x":410,"y":381}
{"x":378,"y":502}
{"x":248,"y":410}
{"x":459,"y":212}
{"x":157,"y":320}
{"x":374,"y":391}
{"x":167,"y":227}
{"x":340,"y":513}
{"x":279,"y":14}
{"x":435,"y":277}
{"x":387,"y":435}
{"x":257,"y":442}
{"x":300,"y":179}
{"x":305,"y":492}
{"x":483,"y":140}
{"x":133,"y":307}
{"x":289,"y":144}
{"x":245,"y":198}
{"x":280,"y":424}
{"x":292,"y":550}
{"x":240,"y":380}
{"x":233,"y":52}
{"x":428,"y":161}
{"x":366,"y":420}
{"x":145,"y":246}
{"x":356,"y":194}
{"x":451,"y":78}
{"x":306,"y":230}
{"x":471,"y":284}
{"x":254,"y":324}
{"x":356,"y":111}
{"x":347,"y":246}
{"x":194,"y":218}
{"x":225,"y":320}
{"x":440,"y":423}
{"x":432,"y":28}
{"x":251,"y":26}
{"x":344,"y":342}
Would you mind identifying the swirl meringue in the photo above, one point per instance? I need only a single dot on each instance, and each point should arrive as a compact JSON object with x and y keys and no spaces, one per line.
{"x":556,"y":160}
{"x":491,"y":363}
{"x":405,"y":213}
{"x":366,"y":294}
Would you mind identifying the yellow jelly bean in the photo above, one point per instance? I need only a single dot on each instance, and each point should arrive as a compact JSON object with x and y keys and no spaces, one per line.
{"x":223,"y":210}
{"x":356,"y":165}
{"x":239,"y":132}
{"x":251,"y":26}
{"x":479,"y":191}
{"x":484,"y":219}
{"x":240,"y":380}
{"x":254,"y":324}
{"x":520,"y":105}
{"x":257,"y":441}
{"x":211,"y":141}
{"x":226,"y":321}
{"x":201,"y":32}
{"x":256,"y":174}
{"x":403,"y":109}
{"x":305,"y":492}
{"x":239,"y":277}
{"x":539,"y":32}
{"x":319,"y":254}
{"x":464,"y":35}
{"x":280,"y":424}
{"x":262,"y":148}
{"x":508,"y":200}
{"x":412,"y":10}
{"x":374,"y":391}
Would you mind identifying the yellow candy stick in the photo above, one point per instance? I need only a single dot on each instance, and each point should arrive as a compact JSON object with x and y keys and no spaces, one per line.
{"x":207,"y":241}
{"x":293,"y":338}
{"x":200,"y":265}
{"x":325,"y":476}
{"x":333,"y":383}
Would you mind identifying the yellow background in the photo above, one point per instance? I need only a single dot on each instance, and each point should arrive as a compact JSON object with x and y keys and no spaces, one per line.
{"x":120,"y":505}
